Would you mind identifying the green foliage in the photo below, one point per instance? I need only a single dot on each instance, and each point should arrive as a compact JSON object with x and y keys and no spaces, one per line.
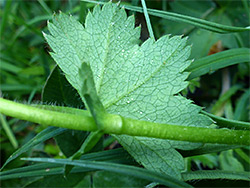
{"x":128,"y":88}
{"x":140,"y":78}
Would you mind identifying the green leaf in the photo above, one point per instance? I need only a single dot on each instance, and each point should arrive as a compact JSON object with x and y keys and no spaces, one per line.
{"x":208,"y":148}
{"x":233,"y":124}
{"x":70,"y":141}
{"x":5,"y":15}
{"x":93,"y":141}
{"x":215,"y":174}
{"x":218,"y":107}
{"x":72,"y":180}
{"x":57,"y":90}
{"x":242,"y":107}
{"x":207,"y":160}
{"x":217,"y":61}
{"x":40,"y":137}
{"x":111,"y":179}
{"x":155,"y":154}
{"x":8,"y":131}
{"x":47,"y":169}
{"x":228,"y":161}
{"x":211,"y":26}
{"x":202,"y":40}
{"x":88,"y":91}
{"x":118,"y":168}
{"x":138,"y":82}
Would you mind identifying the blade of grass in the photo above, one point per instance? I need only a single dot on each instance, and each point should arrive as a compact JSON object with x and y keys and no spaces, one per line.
{"x":217,"y":61}
{"x":245,"y":4}
{"x":242,"y":105}
{"x":6,"y":66}
{"x":5,"y":16}
{"x":22,"y":22}
{"x":208,"y":148}
{"x":40,"y":137}
{"x":32,"y":94}
{"x":108,"y":141}
{"x":8,"y":131}
{"x":215,"y":174}
{"x":211,"y":26}
{"x":243,"y":155}
{"x":118,"y":168}
{"x":18,"y":87}
{"x":90,"y":142}
{"x":115,"y":156}
{"x":145,"y":11}
{"x":45,"y":7}
{"x":219,"y":105}
{"x":82,"y":13}
{"x":29,"y":23}
{"x":228,"y":123}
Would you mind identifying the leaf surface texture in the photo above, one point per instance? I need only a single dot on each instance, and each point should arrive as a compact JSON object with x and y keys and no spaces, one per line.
{"x":133,"y":80}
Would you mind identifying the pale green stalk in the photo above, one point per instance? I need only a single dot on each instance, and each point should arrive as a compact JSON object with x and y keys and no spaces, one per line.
{"x":145,"y":11}
{"x":115,"y":124}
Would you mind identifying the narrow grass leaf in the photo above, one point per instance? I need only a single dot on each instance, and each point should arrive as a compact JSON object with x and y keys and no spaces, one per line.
{"x":228,"y":123}
{"x":145,"y":11}
{"x":215,"y":174}
{"x":242,"y":105}
{"x":18,"y":87}
{"x":8,"y":131}
{"x":40,"y":137}
{"x":243,"y":155}
{"x":116,"y":156}
{"x":89,"y":143}
{"x":220,"y":103}
{"x":6,"y":66}
{"x":4,"y":19}
{"x":217,"y":61}
{"x":118,"y":168}
{"x":211,"y":26}
{"x":45,"y":7}
{"x":208,"y":148}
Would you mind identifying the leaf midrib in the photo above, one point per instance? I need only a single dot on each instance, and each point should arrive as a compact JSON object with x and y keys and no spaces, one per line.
{"x":107,"y":51}
{"x":143,"y":82}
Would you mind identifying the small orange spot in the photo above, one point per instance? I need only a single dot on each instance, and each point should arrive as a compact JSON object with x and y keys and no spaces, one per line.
{"x":217,"y":47}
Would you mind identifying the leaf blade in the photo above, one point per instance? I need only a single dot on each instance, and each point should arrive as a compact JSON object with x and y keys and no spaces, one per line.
{"x":211,"y":26}
{"x":215,"y":174}
{"x":138,"y":82}
{"x":40,"y":137}
{"x":118,"y":168}
{"x":217,"y":61}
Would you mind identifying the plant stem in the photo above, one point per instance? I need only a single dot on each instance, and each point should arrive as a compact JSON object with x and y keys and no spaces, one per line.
{"x":145,"y":11}
{"x":115,"y":124}
{"x":47,"y":117}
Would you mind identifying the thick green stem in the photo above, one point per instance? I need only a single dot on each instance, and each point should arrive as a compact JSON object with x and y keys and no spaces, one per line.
{"x":115,"y":124}
{"x":47,"y":117}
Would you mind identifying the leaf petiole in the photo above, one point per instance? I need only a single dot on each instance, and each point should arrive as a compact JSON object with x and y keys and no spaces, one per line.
{"x":115,"y":124}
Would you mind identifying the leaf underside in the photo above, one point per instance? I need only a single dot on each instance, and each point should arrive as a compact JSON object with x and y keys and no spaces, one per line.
{"x":136,"y":81}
